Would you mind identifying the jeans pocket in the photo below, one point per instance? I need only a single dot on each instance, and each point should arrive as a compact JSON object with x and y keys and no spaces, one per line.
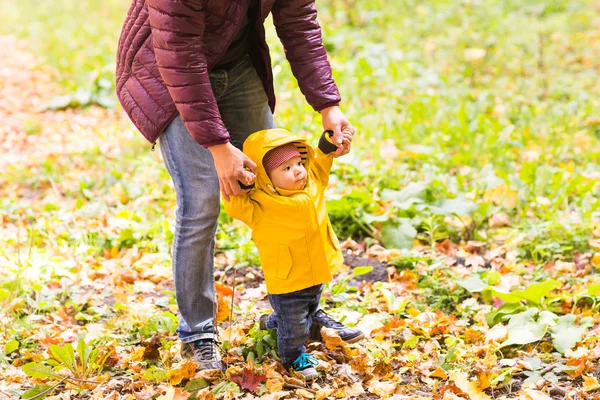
{"x":284,"y":262}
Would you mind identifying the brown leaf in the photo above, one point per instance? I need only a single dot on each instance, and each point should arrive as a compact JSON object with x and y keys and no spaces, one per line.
{"x":248,"y":379}
{"x":332,"y":339}
{"x":360,"y":364}
{"x":151,"y":347}
{"x":499,"y":220}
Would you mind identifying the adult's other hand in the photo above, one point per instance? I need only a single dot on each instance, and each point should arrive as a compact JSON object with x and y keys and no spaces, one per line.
{"x":334,"y":119}
{"x":231,"y":165}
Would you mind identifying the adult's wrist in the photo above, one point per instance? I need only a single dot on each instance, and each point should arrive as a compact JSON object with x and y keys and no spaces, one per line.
{"x":327,"y":108}
{"x":218,"y":148}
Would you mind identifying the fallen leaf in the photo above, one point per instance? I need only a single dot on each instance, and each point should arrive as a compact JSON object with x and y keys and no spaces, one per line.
{"x":499,"y":220}
{"x":184,"y":370}
{"x":381,"y":389}
{"x":462,"y":381}
{"x":596,"y":260}
{"x":305,"y":394}
{"x":439,"y":373}
{"x":590,"y":383}
{"x":531,"y":394}
{"x":233,"y":334}
{"x":332,"y":339}
{"x":222,"y":289}
{"x":248,"y":379}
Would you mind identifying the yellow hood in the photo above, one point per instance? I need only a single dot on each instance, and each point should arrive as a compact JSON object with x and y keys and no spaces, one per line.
{"x":259,"y":143}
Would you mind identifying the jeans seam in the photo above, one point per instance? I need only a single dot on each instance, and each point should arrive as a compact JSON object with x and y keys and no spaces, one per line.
{"x":197,"y":336}
{"x":178,"y":213}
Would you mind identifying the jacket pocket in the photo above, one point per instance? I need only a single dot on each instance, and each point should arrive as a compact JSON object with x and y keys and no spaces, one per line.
{"x":333,"y":238}
{"x":284,"y":262}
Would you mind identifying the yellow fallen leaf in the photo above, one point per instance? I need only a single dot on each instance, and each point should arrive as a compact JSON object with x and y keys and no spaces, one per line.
{"x":413,"y":312}
{"x":223,"y":308}
{"x":382,"y":389}
{"x":233,"y":334}
{"x":501,"y":195}
{"x":305,"y":394}
{"x":323,"y":393}
{"x":531,"y":394}
{"x":184,"y":370}
{"x":439,"y":373}
{"x":138,"y":354}
{"x":332,"y":339}
{"x":590,"y":383}
{"x":596,"y":260}
{"x":462,"y":381}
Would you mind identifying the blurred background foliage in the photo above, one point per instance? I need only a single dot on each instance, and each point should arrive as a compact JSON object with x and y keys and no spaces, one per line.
{"x":464,"y":108}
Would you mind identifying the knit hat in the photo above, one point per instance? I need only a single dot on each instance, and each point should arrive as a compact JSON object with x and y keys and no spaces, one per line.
{"x":277,"y":156}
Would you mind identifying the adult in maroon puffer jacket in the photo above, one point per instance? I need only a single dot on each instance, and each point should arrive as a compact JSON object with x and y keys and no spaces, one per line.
{"x":196,"y":76}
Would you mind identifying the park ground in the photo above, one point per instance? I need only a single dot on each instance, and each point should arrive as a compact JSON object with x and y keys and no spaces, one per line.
{"x":469,"y":212}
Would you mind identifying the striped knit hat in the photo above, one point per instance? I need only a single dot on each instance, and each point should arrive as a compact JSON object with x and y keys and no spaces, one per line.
{"x":277,"y":156}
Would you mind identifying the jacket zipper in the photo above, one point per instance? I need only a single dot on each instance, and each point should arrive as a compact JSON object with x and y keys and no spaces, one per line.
{"x":153,"y":146}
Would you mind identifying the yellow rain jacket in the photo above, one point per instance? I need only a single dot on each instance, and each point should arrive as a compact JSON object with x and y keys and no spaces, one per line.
{"x":290,"y":228}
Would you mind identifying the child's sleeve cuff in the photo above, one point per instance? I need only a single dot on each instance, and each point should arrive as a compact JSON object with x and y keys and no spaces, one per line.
{"x":325,"y":144}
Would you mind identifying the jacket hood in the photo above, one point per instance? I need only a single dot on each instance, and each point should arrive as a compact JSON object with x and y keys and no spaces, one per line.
{"x":259,"y":143}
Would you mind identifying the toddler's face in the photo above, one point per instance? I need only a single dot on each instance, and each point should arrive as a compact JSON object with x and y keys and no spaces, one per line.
{"x":291,"y":175}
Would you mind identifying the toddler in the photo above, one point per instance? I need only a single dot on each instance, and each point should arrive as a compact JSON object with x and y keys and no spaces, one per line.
{"x":297,"y":247}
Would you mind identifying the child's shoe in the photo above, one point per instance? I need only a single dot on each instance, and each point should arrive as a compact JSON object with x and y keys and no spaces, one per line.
{"x":305,"y":364}
{"x":320,"y":319}
{"x":262,"y":322}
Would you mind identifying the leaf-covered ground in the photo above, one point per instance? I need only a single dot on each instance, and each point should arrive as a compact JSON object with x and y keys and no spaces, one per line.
{"x":472,"y":192}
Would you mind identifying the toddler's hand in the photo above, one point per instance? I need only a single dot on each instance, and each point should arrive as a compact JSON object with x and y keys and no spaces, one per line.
{"x":248,"y":183}
{"x":346,"y":144}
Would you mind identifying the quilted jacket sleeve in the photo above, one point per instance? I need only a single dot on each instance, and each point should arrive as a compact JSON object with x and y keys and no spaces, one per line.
{"x":300,"y":33}
{"x":178,"y":33}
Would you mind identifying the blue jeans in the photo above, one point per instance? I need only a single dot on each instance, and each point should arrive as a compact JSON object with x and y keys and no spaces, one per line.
{"x":244,"y":109}
{"x":291,"y":317}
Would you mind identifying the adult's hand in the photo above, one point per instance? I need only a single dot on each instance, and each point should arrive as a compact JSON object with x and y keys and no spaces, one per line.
{"x":229,"y":163}
{"x":334,"y":119}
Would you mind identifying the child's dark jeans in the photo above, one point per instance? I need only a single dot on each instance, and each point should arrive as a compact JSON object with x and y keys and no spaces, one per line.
{"x":291,"y":317}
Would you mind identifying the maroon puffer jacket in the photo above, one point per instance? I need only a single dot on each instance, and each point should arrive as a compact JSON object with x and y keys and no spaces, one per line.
{"x":167,"y":47}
